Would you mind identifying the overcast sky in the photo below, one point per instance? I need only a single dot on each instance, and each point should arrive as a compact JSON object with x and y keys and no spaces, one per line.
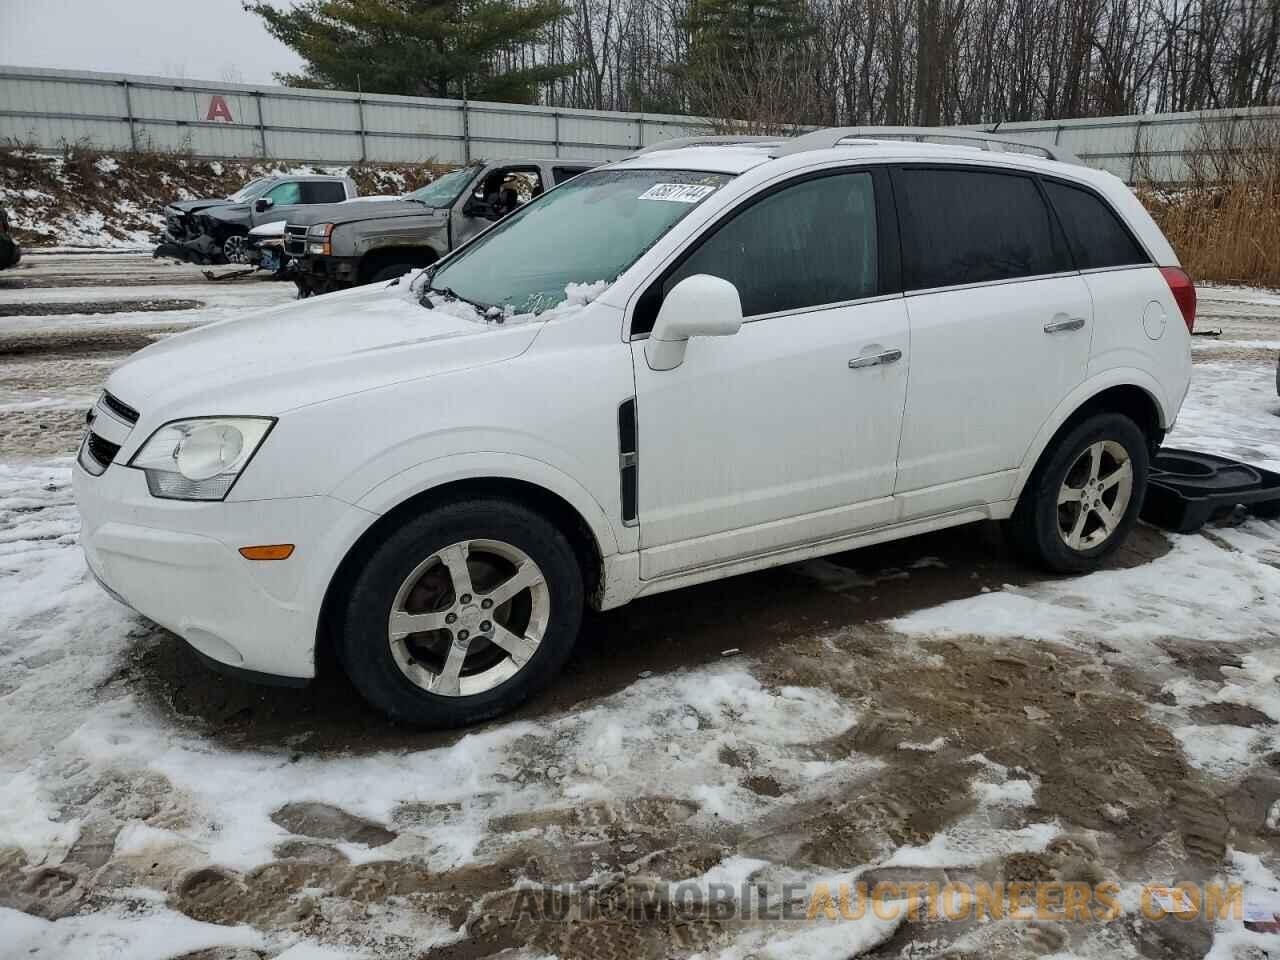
{"x":194,"y":39}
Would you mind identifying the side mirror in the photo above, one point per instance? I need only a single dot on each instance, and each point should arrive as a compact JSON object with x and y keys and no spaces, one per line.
{"x":263,"y":204}
{"x":697,"y":306}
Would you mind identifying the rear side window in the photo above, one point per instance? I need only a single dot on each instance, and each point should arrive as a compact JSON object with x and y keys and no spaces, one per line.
{"x":322,"y":191}
{"x":561,"y":174}
{"x":970,"y":226}
{"x":1097,"y":236}
{"x":807,"y":245}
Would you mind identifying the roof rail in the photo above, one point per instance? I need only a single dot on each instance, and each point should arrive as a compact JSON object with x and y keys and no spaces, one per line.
{"x":832,"y":136}
{"x":675,"y":143}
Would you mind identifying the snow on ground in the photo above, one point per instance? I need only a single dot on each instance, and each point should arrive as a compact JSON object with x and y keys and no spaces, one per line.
{"x":143,"y":835}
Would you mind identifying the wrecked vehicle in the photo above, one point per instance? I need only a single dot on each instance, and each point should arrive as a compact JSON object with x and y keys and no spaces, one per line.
{"x":10,"y":252}
{"x":266,"y":249}
{"x":368,"y":241}
{"x":217,"y":231}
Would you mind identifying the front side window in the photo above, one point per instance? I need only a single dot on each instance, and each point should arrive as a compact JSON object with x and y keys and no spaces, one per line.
{"x":442,"y":191}
{"x":970,"y":226}
{"x":588,"y":230}
{"x":251,"y":190}
{"x":286,"y":193}
{"x":809,"y":244}
{"x":1097,"y":237}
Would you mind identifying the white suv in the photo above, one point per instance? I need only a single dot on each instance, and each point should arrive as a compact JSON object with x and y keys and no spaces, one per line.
{"x":708,"y":358}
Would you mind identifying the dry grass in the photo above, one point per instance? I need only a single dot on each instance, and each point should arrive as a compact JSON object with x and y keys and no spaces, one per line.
{"x":1224,"y":222}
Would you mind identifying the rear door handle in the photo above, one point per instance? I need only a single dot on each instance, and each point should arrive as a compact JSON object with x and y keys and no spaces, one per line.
{"x":1063,"y":326}
{"x":876,"y":359}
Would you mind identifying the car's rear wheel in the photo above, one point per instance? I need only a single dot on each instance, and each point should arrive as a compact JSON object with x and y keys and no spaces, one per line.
{"x":1084,"y":496}
{"x":462,"y":613}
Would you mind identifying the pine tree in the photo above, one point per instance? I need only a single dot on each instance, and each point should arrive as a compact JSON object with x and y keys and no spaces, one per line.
{"x":746,"y":63}
{"x":734,"y":33}
{"x":433,"y":48}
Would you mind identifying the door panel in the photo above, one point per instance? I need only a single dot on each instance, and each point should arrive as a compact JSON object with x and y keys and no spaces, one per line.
{"x":770,"y":438}
{"x":985,"y":374}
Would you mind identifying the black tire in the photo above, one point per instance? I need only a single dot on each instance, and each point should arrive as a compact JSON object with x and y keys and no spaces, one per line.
{"x":1034,"y":527}
{"x":391,"y":271}
{"x":364,"y":648}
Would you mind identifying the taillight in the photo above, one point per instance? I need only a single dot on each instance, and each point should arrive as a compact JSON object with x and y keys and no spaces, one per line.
{"x":1184,"y":293}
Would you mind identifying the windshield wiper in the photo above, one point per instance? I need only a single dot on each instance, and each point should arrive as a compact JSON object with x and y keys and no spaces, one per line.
{"x":454,"y":295}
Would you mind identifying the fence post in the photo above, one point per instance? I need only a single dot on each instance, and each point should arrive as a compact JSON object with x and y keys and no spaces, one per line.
{"x":1133,"y":157}
{"x":364,"y":150}
{"x":640,"y":131}
{"x":128,"y":109}
{"x":466,"y":128}
{"x":262,"y":129}
{"x":555,"y":148}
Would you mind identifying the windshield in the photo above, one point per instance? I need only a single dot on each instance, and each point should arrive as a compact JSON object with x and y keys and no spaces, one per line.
{"x":588,"y":230}
{"x":442,"y":191}
{"x":251,"y":189}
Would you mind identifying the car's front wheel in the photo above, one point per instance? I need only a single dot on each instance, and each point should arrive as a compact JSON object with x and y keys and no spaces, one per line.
{"x":462,"y":613}
{"x":1084,"y":496}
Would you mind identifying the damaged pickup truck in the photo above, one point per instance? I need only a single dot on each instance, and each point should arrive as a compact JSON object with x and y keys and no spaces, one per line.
{"x":217,"y":231}
{"x":10,"y":252}
{"x":366,"y":242}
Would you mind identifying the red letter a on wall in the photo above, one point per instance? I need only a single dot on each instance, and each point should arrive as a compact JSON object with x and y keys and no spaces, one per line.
{"x":218,"y":109}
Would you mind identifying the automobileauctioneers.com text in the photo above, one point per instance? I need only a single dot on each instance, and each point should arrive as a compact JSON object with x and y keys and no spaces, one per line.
{"x":1056,"y":901}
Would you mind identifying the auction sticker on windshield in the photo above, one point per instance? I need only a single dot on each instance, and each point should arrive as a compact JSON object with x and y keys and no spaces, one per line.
{"x":677,"y":192}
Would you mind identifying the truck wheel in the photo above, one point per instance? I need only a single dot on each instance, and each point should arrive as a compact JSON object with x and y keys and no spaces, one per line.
{"x":1084,"y":495}
{"x":391,"y":271}
{"x":236,"y":248}
{"x":462,"y":613}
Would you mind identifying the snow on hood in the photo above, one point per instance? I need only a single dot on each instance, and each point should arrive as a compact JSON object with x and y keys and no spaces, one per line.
{"x":312,"y":350}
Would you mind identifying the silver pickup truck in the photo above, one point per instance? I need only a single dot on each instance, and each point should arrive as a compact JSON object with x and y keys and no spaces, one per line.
{"x":364,"y":242}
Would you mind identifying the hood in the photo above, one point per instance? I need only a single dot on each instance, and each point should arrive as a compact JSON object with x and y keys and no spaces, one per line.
{"x":364,"y":208}
{"x":273,"y":229}
{"x":309,"y":351}
{"x":193,"y":206}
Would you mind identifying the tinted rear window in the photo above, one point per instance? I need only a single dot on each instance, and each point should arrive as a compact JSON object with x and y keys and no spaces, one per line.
{"x":561,"y":174}
{"x":969,"y":226}
{"x":322,"y":191}
{"x":1096,"y":235}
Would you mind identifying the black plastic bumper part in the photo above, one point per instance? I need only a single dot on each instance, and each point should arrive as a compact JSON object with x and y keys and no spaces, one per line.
{"x":1187,"y":489}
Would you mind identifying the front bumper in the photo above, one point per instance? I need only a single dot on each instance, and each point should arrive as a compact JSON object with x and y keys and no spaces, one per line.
{"x":326,"y":274}
{"x":177,"y":563}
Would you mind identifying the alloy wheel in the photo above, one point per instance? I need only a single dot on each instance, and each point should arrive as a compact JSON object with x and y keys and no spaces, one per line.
{"x":468,"y":617}
{"x":236,"y":249}
{"x":1094,"y":495}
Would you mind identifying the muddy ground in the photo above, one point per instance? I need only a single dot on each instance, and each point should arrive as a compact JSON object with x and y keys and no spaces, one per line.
{"x":1127,"y":803}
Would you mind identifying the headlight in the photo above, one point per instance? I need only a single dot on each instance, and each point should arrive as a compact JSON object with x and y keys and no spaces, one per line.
{"x":318,"y":239}
{"x":199,"y":459}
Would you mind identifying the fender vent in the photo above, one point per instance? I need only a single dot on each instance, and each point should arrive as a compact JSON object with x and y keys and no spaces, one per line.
{"x":628,"y":459}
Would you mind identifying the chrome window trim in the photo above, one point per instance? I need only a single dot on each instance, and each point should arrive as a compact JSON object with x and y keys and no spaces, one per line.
{"x":817,"y":308}
{"x":925,"y":291}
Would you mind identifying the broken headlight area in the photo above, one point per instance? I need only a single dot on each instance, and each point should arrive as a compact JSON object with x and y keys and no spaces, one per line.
{"x":194,"y":238}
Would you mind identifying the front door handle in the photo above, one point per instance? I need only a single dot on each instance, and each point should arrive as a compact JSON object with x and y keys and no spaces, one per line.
{"x":876,"y":359}
{"x":1063,"y":326}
